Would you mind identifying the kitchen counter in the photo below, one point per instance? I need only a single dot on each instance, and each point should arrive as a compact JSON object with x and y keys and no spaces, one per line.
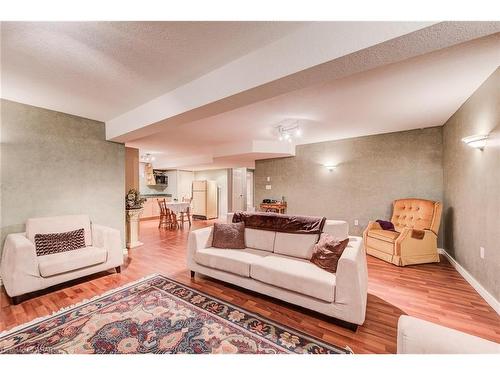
{"x":151,"y":209}
{"x":155,"y":195}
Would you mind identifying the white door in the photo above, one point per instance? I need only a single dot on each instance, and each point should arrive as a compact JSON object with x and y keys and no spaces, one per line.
{"x":238,"y":191}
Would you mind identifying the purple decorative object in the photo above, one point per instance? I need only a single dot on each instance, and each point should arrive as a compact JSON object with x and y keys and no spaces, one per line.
{"x":386,"y":225}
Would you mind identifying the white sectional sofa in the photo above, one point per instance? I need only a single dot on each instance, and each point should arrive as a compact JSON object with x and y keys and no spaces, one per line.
{"x":277,"y":264}
{"x":23,"y":271}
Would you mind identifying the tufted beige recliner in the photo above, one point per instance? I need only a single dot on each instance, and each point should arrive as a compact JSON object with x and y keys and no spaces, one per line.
{"x":414,"y":241}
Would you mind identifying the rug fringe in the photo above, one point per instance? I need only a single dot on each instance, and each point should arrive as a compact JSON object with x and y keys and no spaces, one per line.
{"x":75,"y":305}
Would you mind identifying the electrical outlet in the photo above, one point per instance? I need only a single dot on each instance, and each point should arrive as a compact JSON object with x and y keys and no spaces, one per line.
{"x":356,"y":222}
{"x":268,"y":187}
{"x":481,"y":252}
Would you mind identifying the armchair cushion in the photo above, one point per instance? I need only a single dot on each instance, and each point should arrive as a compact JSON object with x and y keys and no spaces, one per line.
{"x":55,"y":264}
{"x":384,"y":235}
{"x":416,"y":213}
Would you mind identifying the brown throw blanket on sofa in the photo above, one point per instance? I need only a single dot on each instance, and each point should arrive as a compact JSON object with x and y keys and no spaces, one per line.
{"x":281,"y":223}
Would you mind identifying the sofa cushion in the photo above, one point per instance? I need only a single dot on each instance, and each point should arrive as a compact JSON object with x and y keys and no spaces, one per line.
{"x":259,"y":239}
{"x":384,"y":235}
{"x":58,"y":224}
{"x":295,"y":245}
{"x":55,"y":264}
{"x":51,"y":243}
{"x":236,"y":261}
{"x":294,"y":274}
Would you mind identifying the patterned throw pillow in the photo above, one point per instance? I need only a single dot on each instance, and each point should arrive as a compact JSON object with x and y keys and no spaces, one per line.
{"x":229,"y":236}
{"x":52,"y":243}
{"x":327,"y":252}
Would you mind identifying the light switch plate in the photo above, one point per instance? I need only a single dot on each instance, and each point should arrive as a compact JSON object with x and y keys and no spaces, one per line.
{"x":356,"y":222}
{"x":481,"y":252}
{"x":268,"y":179}
{"x":268,"y":187}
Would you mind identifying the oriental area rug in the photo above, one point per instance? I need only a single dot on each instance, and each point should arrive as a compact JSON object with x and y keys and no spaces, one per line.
{"x":158,"y":315}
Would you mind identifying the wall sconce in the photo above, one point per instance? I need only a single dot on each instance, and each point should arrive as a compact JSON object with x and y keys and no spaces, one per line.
{"x":330,"y":167}
{"x":476,"y":141}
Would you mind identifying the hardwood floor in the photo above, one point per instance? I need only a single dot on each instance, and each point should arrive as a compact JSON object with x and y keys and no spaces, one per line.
{"x":434,"y":292}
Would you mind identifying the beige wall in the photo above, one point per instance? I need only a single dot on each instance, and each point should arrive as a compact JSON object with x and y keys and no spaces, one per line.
{"x":55,"y":164}
{"x":472,"y":186}
{"x":372,"y":171}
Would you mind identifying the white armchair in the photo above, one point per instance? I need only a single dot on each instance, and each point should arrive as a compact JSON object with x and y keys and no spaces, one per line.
{"x":417,"y":336}
{"x":22,"y":271}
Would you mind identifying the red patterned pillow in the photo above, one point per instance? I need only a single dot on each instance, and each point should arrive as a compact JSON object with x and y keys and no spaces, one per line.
{"x":229,"y":236}
{"x":51,"y":243}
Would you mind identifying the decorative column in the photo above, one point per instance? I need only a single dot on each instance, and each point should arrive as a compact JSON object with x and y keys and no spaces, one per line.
{"x":133,"y":215}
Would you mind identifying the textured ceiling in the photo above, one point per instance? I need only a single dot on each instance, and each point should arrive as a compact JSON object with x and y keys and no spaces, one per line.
{"x":419,"y":92}
{"x":102,"y":69}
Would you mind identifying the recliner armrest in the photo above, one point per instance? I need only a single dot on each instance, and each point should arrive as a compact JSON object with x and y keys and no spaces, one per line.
{"x":371,"y":225}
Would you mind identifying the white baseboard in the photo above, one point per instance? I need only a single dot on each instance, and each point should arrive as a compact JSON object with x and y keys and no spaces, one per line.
{"x":492,"y":301}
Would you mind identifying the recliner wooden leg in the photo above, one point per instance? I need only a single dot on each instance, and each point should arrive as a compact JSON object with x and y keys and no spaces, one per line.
{"x":118,"y":269}
{"x":192,"y":274}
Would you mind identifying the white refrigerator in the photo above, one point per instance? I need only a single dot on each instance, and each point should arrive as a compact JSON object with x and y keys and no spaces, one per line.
{"x":204,"y":204}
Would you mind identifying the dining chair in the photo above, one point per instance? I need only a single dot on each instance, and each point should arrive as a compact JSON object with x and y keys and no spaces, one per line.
{"x":185,"y":215}
{"x":164,"y":214}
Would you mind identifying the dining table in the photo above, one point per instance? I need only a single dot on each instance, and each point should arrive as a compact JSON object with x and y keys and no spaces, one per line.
{"x":177,"y":207}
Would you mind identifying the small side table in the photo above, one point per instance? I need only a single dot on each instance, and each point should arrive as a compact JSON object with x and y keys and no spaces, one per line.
{"x":278,"y":207}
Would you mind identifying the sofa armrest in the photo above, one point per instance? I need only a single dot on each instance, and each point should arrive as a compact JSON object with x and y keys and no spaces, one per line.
{"x":109,"y":239}
{"x":416,"y":336}
{"x":19,"y":261}
{"x":352,"y":279}
{"x":198,"y":239}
